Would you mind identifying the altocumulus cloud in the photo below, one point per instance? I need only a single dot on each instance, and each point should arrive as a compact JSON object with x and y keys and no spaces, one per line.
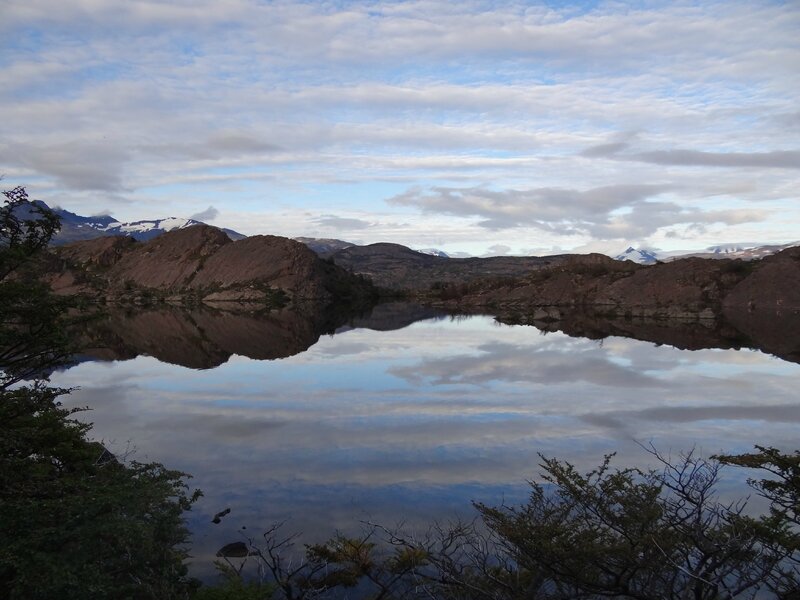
{"x":508,"y":116}
{"x":334,"y":222}
{"x":781,"y":159}
{"x":608,"y":212}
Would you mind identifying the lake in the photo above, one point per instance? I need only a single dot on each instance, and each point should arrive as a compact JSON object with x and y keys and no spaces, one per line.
{"x":399,"y":419}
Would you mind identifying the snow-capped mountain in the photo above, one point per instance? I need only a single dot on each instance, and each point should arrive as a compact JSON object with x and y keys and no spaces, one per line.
{"x":76,"y":227}
{"x":744,"y":251}
{"x":434,"y":252}
{"x":639,"y":255}
{"x":730,"y":248}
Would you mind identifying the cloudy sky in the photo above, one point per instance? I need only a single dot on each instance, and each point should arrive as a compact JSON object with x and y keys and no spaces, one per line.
{"x":476,"y":126}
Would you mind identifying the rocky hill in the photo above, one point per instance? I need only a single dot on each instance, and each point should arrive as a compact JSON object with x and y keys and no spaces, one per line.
{"x":202,"y":263}
{"x":689,"y":288}
{"x":398,"y":268}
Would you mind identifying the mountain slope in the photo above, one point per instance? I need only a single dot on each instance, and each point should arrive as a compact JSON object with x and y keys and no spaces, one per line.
{"x":201,"y":262}
{"x":639,"y":256}
{"x":396,"y":267}
{"x":75,"y":227}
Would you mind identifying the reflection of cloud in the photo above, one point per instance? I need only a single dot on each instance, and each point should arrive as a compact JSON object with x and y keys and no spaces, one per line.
{"x":512,"y":363}
{"x":346,"y":349}
{"x":778,"y":413}
{"x":363,"y":419}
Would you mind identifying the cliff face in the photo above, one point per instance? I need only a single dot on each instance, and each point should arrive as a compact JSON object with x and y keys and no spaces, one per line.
{"x":172,"y":260}
{"x":774,"y":286}
{"x":282,"y":262}
{"x":687,"y":288}
{"x":203,"y":262}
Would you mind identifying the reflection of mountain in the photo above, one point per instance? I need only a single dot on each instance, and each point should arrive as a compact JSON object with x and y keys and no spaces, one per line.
{"x":776,"y":333}
{"x":203,"y":338}
{"x":390,"y":316}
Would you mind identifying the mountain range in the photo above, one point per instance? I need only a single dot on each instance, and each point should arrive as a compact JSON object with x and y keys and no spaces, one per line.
{"x":75,"y":227}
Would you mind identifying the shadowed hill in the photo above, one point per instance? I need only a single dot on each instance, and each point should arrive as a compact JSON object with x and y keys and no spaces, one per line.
{"x":689,"y":288}
{"x":203,"y":263}
{"x":398,"y":268}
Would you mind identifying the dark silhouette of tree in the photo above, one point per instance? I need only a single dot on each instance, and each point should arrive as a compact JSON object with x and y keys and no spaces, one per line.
{"x":609,"y":533}
{"x":33,"y":336}
{"x":75,"y":522}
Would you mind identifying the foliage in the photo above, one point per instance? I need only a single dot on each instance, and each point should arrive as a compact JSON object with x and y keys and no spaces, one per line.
{"x":77,"y":523}
{"x":25,"y":229}
{"x":33,"y":337}
{"x":633,"y":534}
{"x":783,"y":489}
{"x":233,"y":587}
{"x":608,"y":533}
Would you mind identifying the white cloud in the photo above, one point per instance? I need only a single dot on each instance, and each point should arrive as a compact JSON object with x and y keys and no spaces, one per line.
{"x":121,"y":102}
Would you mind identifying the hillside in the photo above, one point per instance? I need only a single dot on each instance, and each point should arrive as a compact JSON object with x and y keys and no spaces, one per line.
{"x":687,"y":288}
{"x":398,"y":268}
{"x":201,"y":263}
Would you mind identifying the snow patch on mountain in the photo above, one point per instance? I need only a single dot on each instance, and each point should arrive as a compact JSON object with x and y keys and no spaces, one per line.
{"x":162,"y":225}
{"x":433,"y":252}
{"x":639,"y":255}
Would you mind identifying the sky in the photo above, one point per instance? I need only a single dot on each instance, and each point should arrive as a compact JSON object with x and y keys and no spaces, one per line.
{"x":475,"y":127}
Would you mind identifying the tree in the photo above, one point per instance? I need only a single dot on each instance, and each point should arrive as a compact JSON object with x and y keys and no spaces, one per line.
{"x":75,"y":521}
{"x":609,"y":533}
{"x":33,"y":337}
{"x":634,"y":534}
{"x":25,"y":228}
{"x":782,"y":490}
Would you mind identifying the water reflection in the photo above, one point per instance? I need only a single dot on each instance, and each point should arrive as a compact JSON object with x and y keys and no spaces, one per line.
{"x":412,"y":422}
{"x":204,"y":337}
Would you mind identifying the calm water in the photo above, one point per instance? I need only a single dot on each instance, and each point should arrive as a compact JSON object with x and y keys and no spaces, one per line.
{"x":412,"y":424}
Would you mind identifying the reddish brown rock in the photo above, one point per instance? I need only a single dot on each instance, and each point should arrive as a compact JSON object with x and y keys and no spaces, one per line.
{"x":281,"y":262}
{"x":772,"y":287}
{"x":170,"y":261}
{"x":201,"y":262}
{"x":101,"y":252}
